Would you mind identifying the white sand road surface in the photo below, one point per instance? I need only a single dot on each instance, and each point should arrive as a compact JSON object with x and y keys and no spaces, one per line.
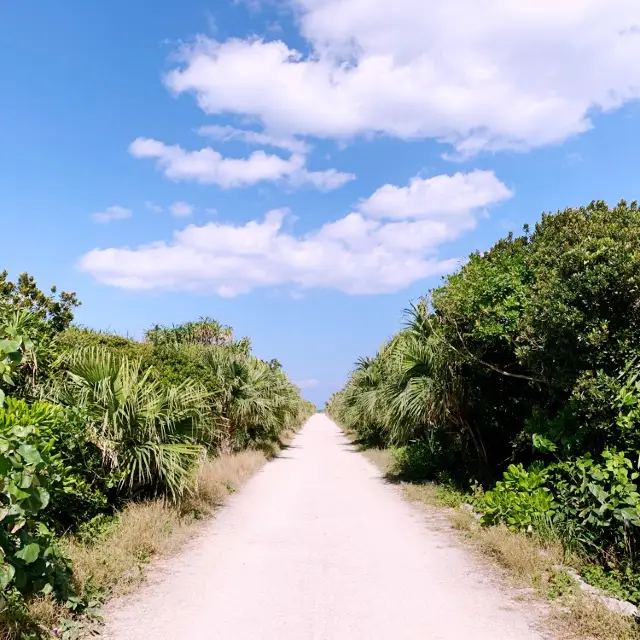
{"x":317,"y":546}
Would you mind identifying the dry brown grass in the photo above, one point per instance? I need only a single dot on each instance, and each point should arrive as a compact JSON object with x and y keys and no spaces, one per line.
{"x":434,"y":494}
{"x":115,"y":560}
{"x":218,"y":477}
{"x":521,"y":554}
{"x":380,"y":457}
{"x":425,"y":493}
{"x":41,"y":616}
{"x":535,"y":563}
{"x":585,"y":618}
{"x":463,"y":520}
{"x":146,"y":530}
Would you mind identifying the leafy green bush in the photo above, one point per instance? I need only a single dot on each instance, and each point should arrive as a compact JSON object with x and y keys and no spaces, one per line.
{"x":92,"y":531}
{"x":123,"y":420}
{"x":204,"y":332}
{"x":536,"y":341}
{"x":29,"y":560}
{"x":39,"y":317}
{"x":82,"y":337}
{"x":627,"y":401}
{"x":519,"y":499}
{"x":12,"y":346}
{"x":78,"y":486}
{"x":603,"y":498}
{"x":420,"y":460}
{"x":623,"y":584}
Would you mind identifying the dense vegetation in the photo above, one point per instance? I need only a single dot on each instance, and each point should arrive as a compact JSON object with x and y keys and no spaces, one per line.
{"x":520,"y":376}
{"x":91,"y":421}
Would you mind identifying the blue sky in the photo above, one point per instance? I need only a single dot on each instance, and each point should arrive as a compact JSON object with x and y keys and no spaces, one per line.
{"x":388,"y":139}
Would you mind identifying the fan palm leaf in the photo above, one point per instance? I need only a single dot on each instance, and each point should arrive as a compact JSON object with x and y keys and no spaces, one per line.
{"x":146,"y":431}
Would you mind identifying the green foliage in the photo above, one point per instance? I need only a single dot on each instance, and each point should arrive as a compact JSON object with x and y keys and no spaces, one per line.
{"x":12,"y":347}
{"x":38,"y":318}
{"x":519,"y":499}
{"x":627,"y":401}
{"x":603,"y":497}
{"x":81,"y":337}
{"x":146,"y":431}
{"x":622,"y":584}
{"x":255,"y":401}
{"x":29,"y":561}
{"x":420,"y":460}
{"x":91,"y":531}
{"x":525,"y":362}
{"x":582,"y":312}
{"x":250,"y":401}
{"x":560,"y":585}
{"x":205,"y":332}
{"x":76,"y":483}
{"x":93,"y":419}
{"x":449,"y":496}
{"x":53,"y":311}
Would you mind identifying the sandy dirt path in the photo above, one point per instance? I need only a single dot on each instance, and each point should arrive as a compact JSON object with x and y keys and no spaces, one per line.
{"x":317,"y":546}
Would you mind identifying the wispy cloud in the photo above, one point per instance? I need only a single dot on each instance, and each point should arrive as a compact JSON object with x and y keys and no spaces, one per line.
{"x":307,"y":384}
{"x":111,"y":213}
{"x":573,"y":158}
{"x":226,"y":133}
{"x":152,"y":206}
{"x":181,"y":209}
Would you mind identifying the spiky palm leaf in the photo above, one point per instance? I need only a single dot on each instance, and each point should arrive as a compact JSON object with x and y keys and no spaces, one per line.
{"x":253,"y":397}
{"x":144,"y":429}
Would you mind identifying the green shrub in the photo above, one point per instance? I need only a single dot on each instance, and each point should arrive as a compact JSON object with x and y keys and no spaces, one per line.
{"x":146,"y":431}
{"x":419,"y":460}
{"x":77,"y":484}
{"x":29,"y":561}
{"x":519,"y":499}
{"x":623,"y":584}
{"x":39,"y":317}
{"x":603,"y":498}
{"x":12,"y":346}
{"x":82,"y":337}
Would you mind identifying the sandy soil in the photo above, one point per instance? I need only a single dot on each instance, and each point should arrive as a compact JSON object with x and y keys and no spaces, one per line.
{"x":317,"y":546}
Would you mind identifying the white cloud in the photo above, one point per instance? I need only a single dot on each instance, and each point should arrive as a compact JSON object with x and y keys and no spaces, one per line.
{"x":440,"y":196}
{"x":488,"y":75}
{"x":207,"y":166}
{"x":181,"y":209}
{"x":307,"y":384}
{"x":226,"y":133}
{"x":152,"y":206}
{"x":573,"y":158}
{"x":111,"y":213}
{"x":357,"y":254}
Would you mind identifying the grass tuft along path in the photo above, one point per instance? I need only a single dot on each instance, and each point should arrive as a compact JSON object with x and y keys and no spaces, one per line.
{"x":317,"y":546}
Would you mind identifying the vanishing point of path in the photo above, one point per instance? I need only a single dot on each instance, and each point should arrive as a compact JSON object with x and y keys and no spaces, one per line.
{"x":318,"y":547}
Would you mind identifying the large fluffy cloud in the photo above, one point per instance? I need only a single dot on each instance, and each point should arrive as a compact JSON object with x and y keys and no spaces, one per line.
{"x":387,"y":243}
{"x":440,"y":196}
{"x":481,"y":75}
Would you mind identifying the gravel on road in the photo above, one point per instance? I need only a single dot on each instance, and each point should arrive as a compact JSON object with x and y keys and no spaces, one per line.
{"x":317,"y":546}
